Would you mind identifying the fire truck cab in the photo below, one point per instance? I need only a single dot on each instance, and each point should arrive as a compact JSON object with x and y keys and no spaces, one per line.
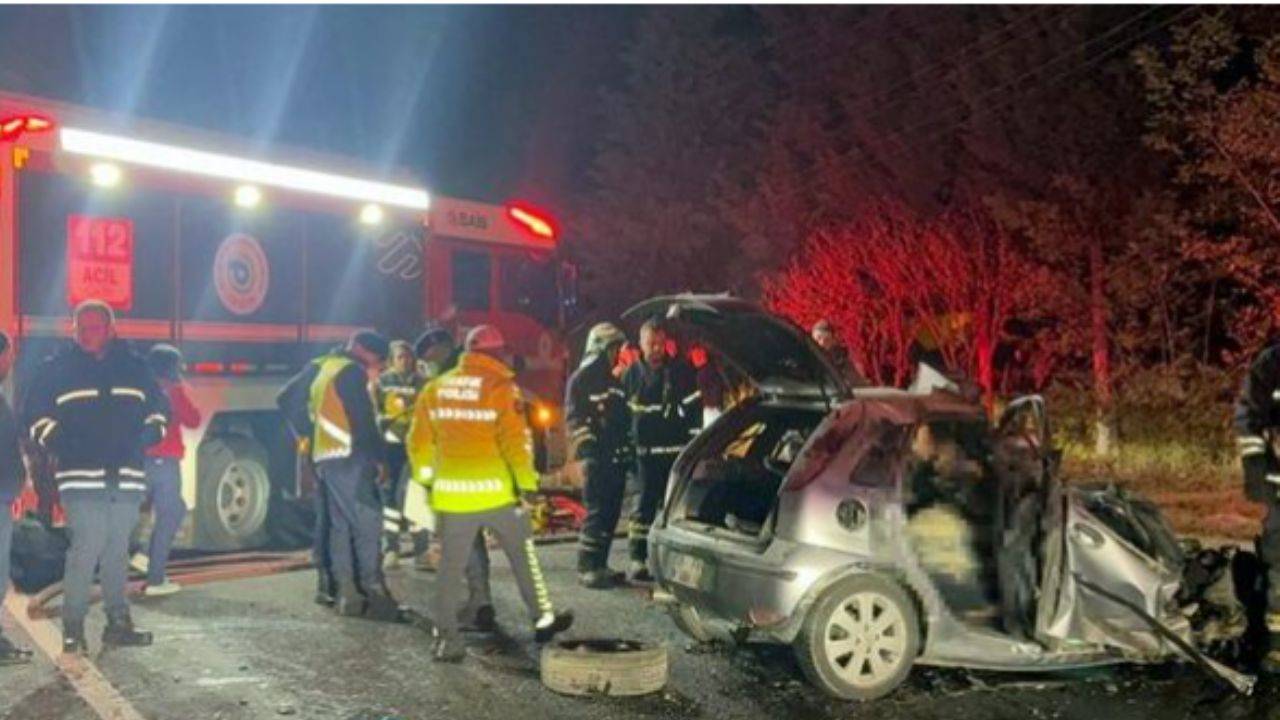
{"x":251,"y":266}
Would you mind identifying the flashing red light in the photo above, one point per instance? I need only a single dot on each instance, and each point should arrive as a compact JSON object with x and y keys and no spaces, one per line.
{"x":207,"y":368}
{"x":240,"y":368}
{"x":533,"y":220}
{"x":11,"y":128}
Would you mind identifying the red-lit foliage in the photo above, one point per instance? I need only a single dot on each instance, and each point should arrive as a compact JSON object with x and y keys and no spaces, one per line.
{"x":893,"y":283}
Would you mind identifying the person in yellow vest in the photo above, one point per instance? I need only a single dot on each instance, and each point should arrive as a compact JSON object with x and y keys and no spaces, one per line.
{"x":350,"y":459}
{"x":470,"y":445}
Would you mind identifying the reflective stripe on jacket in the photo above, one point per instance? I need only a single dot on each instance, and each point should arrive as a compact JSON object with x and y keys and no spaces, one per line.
{"x":469,"y":441}
{"x":331,"y":438}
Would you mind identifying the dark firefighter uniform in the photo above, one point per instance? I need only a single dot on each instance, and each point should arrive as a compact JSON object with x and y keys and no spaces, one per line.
{"x":96,"y":416}
{"x":600,"y":432}
{"x":395,"y":394}
{"x":666,"y":411}
{"x":1257,"y":420}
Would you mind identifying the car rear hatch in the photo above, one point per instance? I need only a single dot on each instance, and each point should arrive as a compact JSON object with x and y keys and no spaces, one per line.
{"x":778,"y":357}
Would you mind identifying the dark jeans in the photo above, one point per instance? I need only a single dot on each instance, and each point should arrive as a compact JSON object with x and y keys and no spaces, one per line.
{"x":1269,"y":553}
{"x":603,"y":491}
{"x":164,"y":489}
{"x":99,"y":524}
{"x":320,"y":537}
{"x":653,"y":471}
{"x":355,"y":514}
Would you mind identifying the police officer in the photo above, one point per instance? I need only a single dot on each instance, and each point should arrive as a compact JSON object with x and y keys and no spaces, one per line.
{"x":95,"y":406}
{"x":1257,"y":419}
{"x":470,"y":446}
{"x":599,"y":429}
{"x":350,"y":459}
{"x":666,"y":409}
{"x":394,"y":393}
{"x":12,"y":477}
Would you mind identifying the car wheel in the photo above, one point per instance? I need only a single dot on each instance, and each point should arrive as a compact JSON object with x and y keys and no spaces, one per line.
{"x":233,"y":494}
{"x":860,"y":639}
{"x":604,"y":667}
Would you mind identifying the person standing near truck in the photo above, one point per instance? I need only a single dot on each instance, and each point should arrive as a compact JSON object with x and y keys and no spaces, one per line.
{"x":394,"y":394}
{"x":95,"y":406}
{"x":164,"y":472}
{"x":12,"y":476}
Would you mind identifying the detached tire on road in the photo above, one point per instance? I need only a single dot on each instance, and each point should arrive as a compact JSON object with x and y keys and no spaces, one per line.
{"x":860,"y":639}
{"x":233,"y":494}
{"x":604,"y":667}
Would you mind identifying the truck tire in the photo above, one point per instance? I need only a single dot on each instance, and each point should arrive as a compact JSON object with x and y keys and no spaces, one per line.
{"x":604,"y":667}
{"x":860,"y":639}
{"x":233,"y":494}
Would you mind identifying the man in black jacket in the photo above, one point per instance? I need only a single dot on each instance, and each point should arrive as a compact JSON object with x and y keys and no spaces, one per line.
{"x":666,"y":407}
{"x":599,"y":429}
{"x":12,"y":476}
{"x":95,"y":407}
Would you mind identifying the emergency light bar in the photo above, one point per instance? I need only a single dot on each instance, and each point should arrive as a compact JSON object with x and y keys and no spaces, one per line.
{"x":168,"y":157}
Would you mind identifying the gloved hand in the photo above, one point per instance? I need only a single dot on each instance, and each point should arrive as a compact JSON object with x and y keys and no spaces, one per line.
{"x":1256,"y":485}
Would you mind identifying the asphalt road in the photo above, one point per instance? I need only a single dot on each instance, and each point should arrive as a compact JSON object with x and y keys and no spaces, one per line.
{"x":258,"y":648}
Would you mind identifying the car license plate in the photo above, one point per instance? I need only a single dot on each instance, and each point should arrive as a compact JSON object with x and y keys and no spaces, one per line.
{"x":688,"y":571}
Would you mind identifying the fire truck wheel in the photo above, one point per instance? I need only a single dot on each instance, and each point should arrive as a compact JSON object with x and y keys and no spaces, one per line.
{"x":604,"y":667}
{"x":232,"y":495}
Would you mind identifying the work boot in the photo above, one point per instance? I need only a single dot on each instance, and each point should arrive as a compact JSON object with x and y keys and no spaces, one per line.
{"x":638,"y":572}
{"x":350,"y":604}
{"x":121,"y":633}
{"x":380,"y":606}
{"x":449,"y":649}
{"x":552,"y":624}
{"x":600,"y":579}
{"x":73,"y":642}
{"x":482,"y":619}
{"x":11,"y":654}
{"x":324,"y":590}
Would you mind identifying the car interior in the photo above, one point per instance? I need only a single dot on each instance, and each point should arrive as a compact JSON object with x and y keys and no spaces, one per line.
{"x":734,"y":485}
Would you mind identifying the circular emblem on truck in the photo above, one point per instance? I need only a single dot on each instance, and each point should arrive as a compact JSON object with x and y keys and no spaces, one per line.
{"x":241,"y":274}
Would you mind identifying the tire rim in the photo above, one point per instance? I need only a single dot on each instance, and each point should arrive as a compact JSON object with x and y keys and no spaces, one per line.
{"x":865,"y":639}
{"x":242,"y":498}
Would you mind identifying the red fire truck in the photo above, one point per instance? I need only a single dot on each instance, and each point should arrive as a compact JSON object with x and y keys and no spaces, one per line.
{"x":252,"y":265}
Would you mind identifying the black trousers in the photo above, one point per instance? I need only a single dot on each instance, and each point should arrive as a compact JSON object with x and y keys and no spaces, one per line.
{"x":320,"y":539}
{"x":603,"y":491}
{"x":355,"y":523}
{"x":1269,"y":554}
{"x":653,"y":471}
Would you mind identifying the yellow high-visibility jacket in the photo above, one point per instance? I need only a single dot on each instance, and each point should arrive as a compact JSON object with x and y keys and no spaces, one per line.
{"x":469,"y":442}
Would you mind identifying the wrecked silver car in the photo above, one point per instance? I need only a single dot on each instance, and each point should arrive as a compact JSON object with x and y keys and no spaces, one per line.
{"x":876,"y":529}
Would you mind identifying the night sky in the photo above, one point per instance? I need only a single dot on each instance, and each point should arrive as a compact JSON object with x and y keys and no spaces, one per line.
{"x":476,"y":101}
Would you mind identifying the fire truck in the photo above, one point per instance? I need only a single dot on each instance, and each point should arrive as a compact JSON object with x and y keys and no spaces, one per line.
{"x":252,"y":265}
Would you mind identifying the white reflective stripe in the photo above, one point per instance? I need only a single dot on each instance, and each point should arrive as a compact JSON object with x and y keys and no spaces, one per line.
{"x":465,"y":487}
{"x":691,"y":397}
{"x":1273,"y":478}
{"x":464,"y":414}
{"x":38,"y":425}
{"x":83,"y":485}
{"x":392,"y":514}
{"x":132,"y":486}
{"x":336,"y":432}
{"x":1251,"y":445}
{"x":605,"y":395}
{"x":426,"y":473}
{"x":80,"y":473}
{"x":128,"y":392}
{"x":668,"y":450}
{"x":391,"y":437}
{"x":1275,"y":394}
{"x":156,"y":417}
{"x":48,"y":430}
{"x":332,"y":454}
{"x":580,"y":431}
{"x":75,"y":395}
{"x":636,"y":407}
{"x":130,"y":472}
{"x":1251,"y":439}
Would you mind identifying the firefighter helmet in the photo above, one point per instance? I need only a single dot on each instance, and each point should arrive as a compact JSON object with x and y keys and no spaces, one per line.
{"x":602,"y":336}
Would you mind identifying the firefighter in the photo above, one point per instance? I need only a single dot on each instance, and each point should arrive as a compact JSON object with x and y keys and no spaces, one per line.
{"x":394,"y":393}
{"x":599,"y":428}
{"x":666,"y":409}
{"x":95,"y":406}
{"x":1257,"y":420}
{"x":12,"y":477}
{"x":470,"y":445}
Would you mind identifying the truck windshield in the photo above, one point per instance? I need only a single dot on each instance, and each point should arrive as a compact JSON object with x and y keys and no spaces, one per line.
{"x":529,"y":287}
